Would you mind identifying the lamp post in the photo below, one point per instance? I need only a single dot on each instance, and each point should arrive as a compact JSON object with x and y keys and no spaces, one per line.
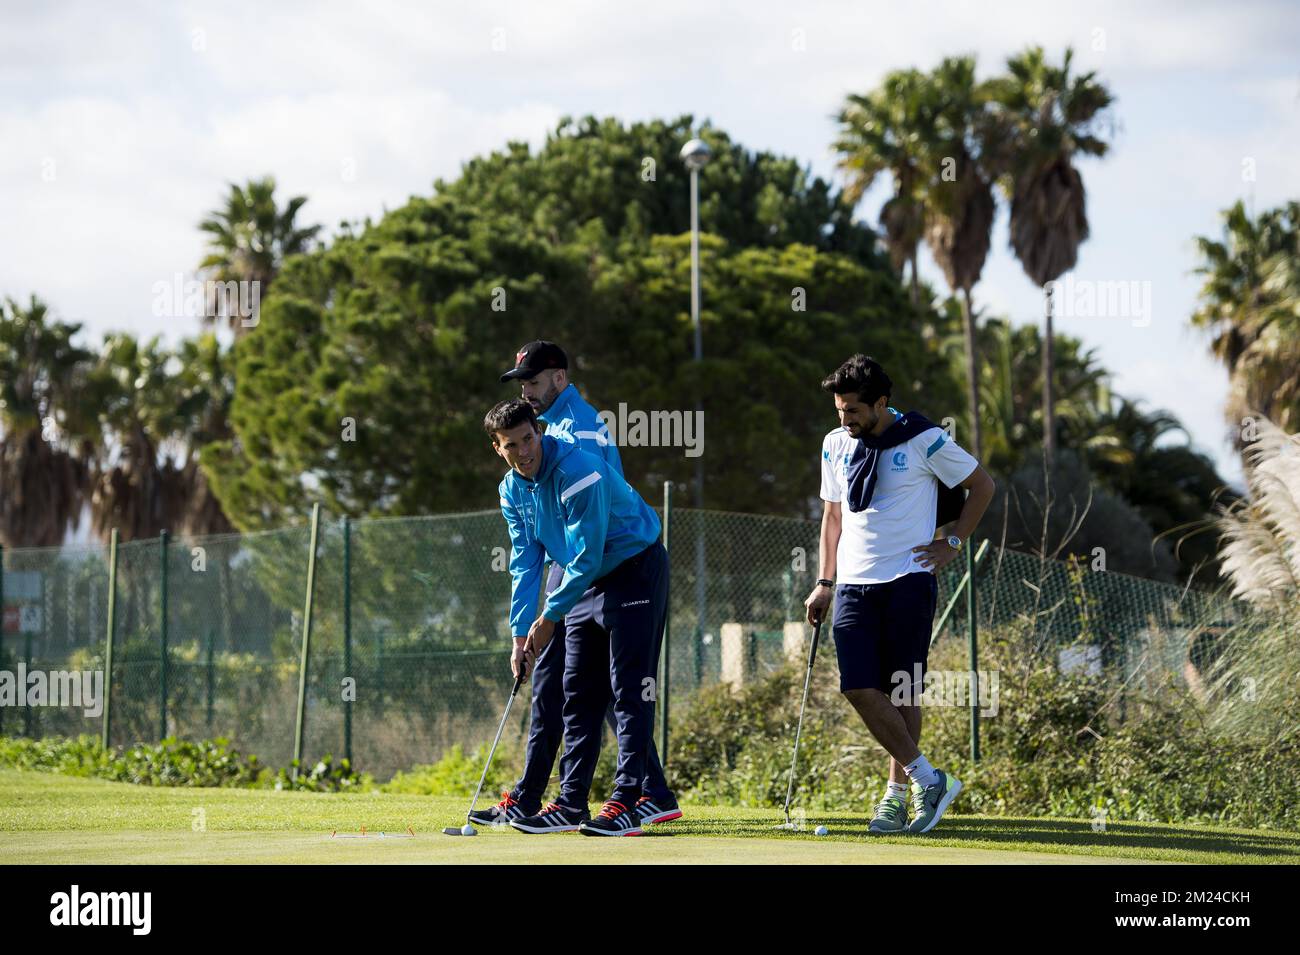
{"x":695,"y":154}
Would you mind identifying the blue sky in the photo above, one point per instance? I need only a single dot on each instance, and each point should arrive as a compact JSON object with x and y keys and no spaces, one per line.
{"x":119,"y":130}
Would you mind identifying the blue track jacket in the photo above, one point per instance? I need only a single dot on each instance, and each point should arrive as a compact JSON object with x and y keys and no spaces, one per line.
{"x":578,"y":512}
{"x":570,"y":418}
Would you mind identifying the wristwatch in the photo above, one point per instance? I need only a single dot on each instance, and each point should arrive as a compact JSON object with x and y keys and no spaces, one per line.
{"x":954,"y":543}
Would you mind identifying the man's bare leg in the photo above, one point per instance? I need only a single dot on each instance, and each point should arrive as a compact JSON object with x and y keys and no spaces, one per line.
{"x":887,"y":725}
{"x":912,"y":717}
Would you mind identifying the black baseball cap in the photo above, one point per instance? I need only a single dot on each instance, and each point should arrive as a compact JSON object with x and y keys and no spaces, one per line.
{"x":535,"y":357}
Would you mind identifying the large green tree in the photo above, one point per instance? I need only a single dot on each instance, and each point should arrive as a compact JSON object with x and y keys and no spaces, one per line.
{"x":628,"y":177}
{"x":367,"y":380}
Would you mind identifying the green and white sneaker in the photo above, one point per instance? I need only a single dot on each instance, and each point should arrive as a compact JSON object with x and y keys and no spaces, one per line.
{"x":930,"y":803}
{"x":891,"y":815}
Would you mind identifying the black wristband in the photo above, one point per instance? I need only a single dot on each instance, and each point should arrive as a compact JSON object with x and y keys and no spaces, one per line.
{"x":823,"y":582}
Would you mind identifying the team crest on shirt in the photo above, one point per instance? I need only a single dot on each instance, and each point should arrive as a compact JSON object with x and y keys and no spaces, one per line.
{"x":900,"y":461}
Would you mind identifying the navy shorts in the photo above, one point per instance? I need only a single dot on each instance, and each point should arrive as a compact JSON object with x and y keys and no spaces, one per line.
{"x":884,"y":629}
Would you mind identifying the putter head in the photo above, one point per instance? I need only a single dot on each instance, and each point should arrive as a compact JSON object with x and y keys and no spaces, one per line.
{"x":451,"y":831}
{"x":796,"y":823}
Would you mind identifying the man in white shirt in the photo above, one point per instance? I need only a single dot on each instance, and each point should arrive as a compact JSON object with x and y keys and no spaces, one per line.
{"x":888,"y":482}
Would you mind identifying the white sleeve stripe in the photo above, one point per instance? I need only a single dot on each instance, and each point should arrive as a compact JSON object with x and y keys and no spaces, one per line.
{"x":577,"y":486}
{"x":504,"y":502}
{"x":601,"y":439}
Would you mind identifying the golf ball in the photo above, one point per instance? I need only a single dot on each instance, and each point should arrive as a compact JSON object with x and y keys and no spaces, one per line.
{"x":822,"y":831}
{"x":467,"y":830}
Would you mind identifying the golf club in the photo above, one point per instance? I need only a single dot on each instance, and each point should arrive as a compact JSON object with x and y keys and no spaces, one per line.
{"x":452,"y":830}
{"x":794,"y":760}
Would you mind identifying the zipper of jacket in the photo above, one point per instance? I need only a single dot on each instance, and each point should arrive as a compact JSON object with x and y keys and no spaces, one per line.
{"x":532,"y":511}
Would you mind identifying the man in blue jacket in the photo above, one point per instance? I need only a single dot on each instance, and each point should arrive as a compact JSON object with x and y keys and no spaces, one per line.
{"x":565,"y":504}
{"x":541,"y":368}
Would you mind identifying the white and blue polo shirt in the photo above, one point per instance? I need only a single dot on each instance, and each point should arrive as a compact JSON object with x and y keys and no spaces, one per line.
{"x":876,"y":543}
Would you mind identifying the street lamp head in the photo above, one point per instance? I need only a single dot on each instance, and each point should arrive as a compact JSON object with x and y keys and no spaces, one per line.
{"x":695,"y":154}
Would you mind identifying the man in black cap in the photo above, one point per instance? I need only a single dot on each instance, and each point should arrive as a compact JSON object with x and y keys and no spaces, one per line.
{"x":541,"y":368}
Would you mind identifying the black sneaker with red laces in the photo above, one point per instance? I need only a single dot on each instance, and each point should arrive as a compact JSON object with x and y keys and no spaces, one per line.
{"x":554,"y":818}
{"x":664,"y":809}
{"x":614,"y":819}
{"x":505,"y":811}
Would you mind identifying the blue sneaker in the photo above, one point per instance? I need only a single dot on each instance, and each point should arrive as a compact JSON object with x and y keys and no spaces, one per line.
{"x":929,"y":803}
{"x":891,"y":815}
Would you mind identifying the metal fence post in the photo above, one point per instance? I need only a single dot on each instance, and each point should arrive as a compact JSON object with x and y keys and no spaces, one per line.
{"x":108,"y":641}
{"x":2,"y":624}
{"x":211,"y":676}
{"x":956,"y":595}
{"x":665,"y":656}
{"x":27,"y":662}
{"x":974,"y":655}
{"x":306,"y":642}
{"x":347,"y":634}
{"x":162,"y":617}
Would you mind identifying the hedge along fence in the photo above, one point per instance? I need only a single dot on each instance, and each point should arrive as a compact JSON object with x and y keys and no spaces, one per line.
{"x":409,"y":643}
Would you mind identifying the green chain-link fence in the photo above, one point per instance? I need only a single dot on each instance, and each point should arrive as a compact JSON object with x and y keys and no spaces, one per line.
{"x":409,"y":651}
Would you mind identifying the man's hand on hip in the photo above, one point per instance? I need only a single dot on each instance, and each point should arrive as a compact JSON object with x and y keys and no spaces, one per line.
{"x":935,"y":555}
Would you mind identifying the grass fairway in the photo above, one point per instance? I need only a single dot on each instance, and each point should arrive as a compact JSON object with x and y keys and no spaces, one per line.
{"x":47,"y":818}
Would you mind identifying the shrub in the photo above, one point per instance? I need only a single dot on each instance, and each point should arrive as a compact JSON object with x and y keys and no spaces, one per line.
{"x":326,"y":776}
{"x":1059,"y":745}
{"x":172,"y":762}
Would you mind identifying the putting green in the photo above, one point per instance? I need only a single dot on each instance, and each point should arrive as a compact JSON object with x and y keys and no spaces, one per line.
{"x":48,"y":818}
{"x":488,"y":847}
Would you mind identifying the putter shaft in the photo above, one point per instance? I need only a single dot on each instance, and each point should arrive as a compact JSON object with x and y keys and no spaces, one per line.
{"x":807,"y":679}
{"x":504,"y":716}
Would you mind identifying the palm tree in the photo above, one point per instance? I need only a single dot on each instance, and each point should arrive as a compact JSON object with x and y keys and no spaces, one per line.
{"x":140,"y":418}
{"x":1010,"y":359}
{"x":1126,"y":448}
{"x":890,"y":130}
{"x":1047,"y":118}
{"x":1250,"y":305}
{"x":42,"y":481}
{"x":960,"y":208}
{"x":206,"y":388}
{"x":249,"y":240}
